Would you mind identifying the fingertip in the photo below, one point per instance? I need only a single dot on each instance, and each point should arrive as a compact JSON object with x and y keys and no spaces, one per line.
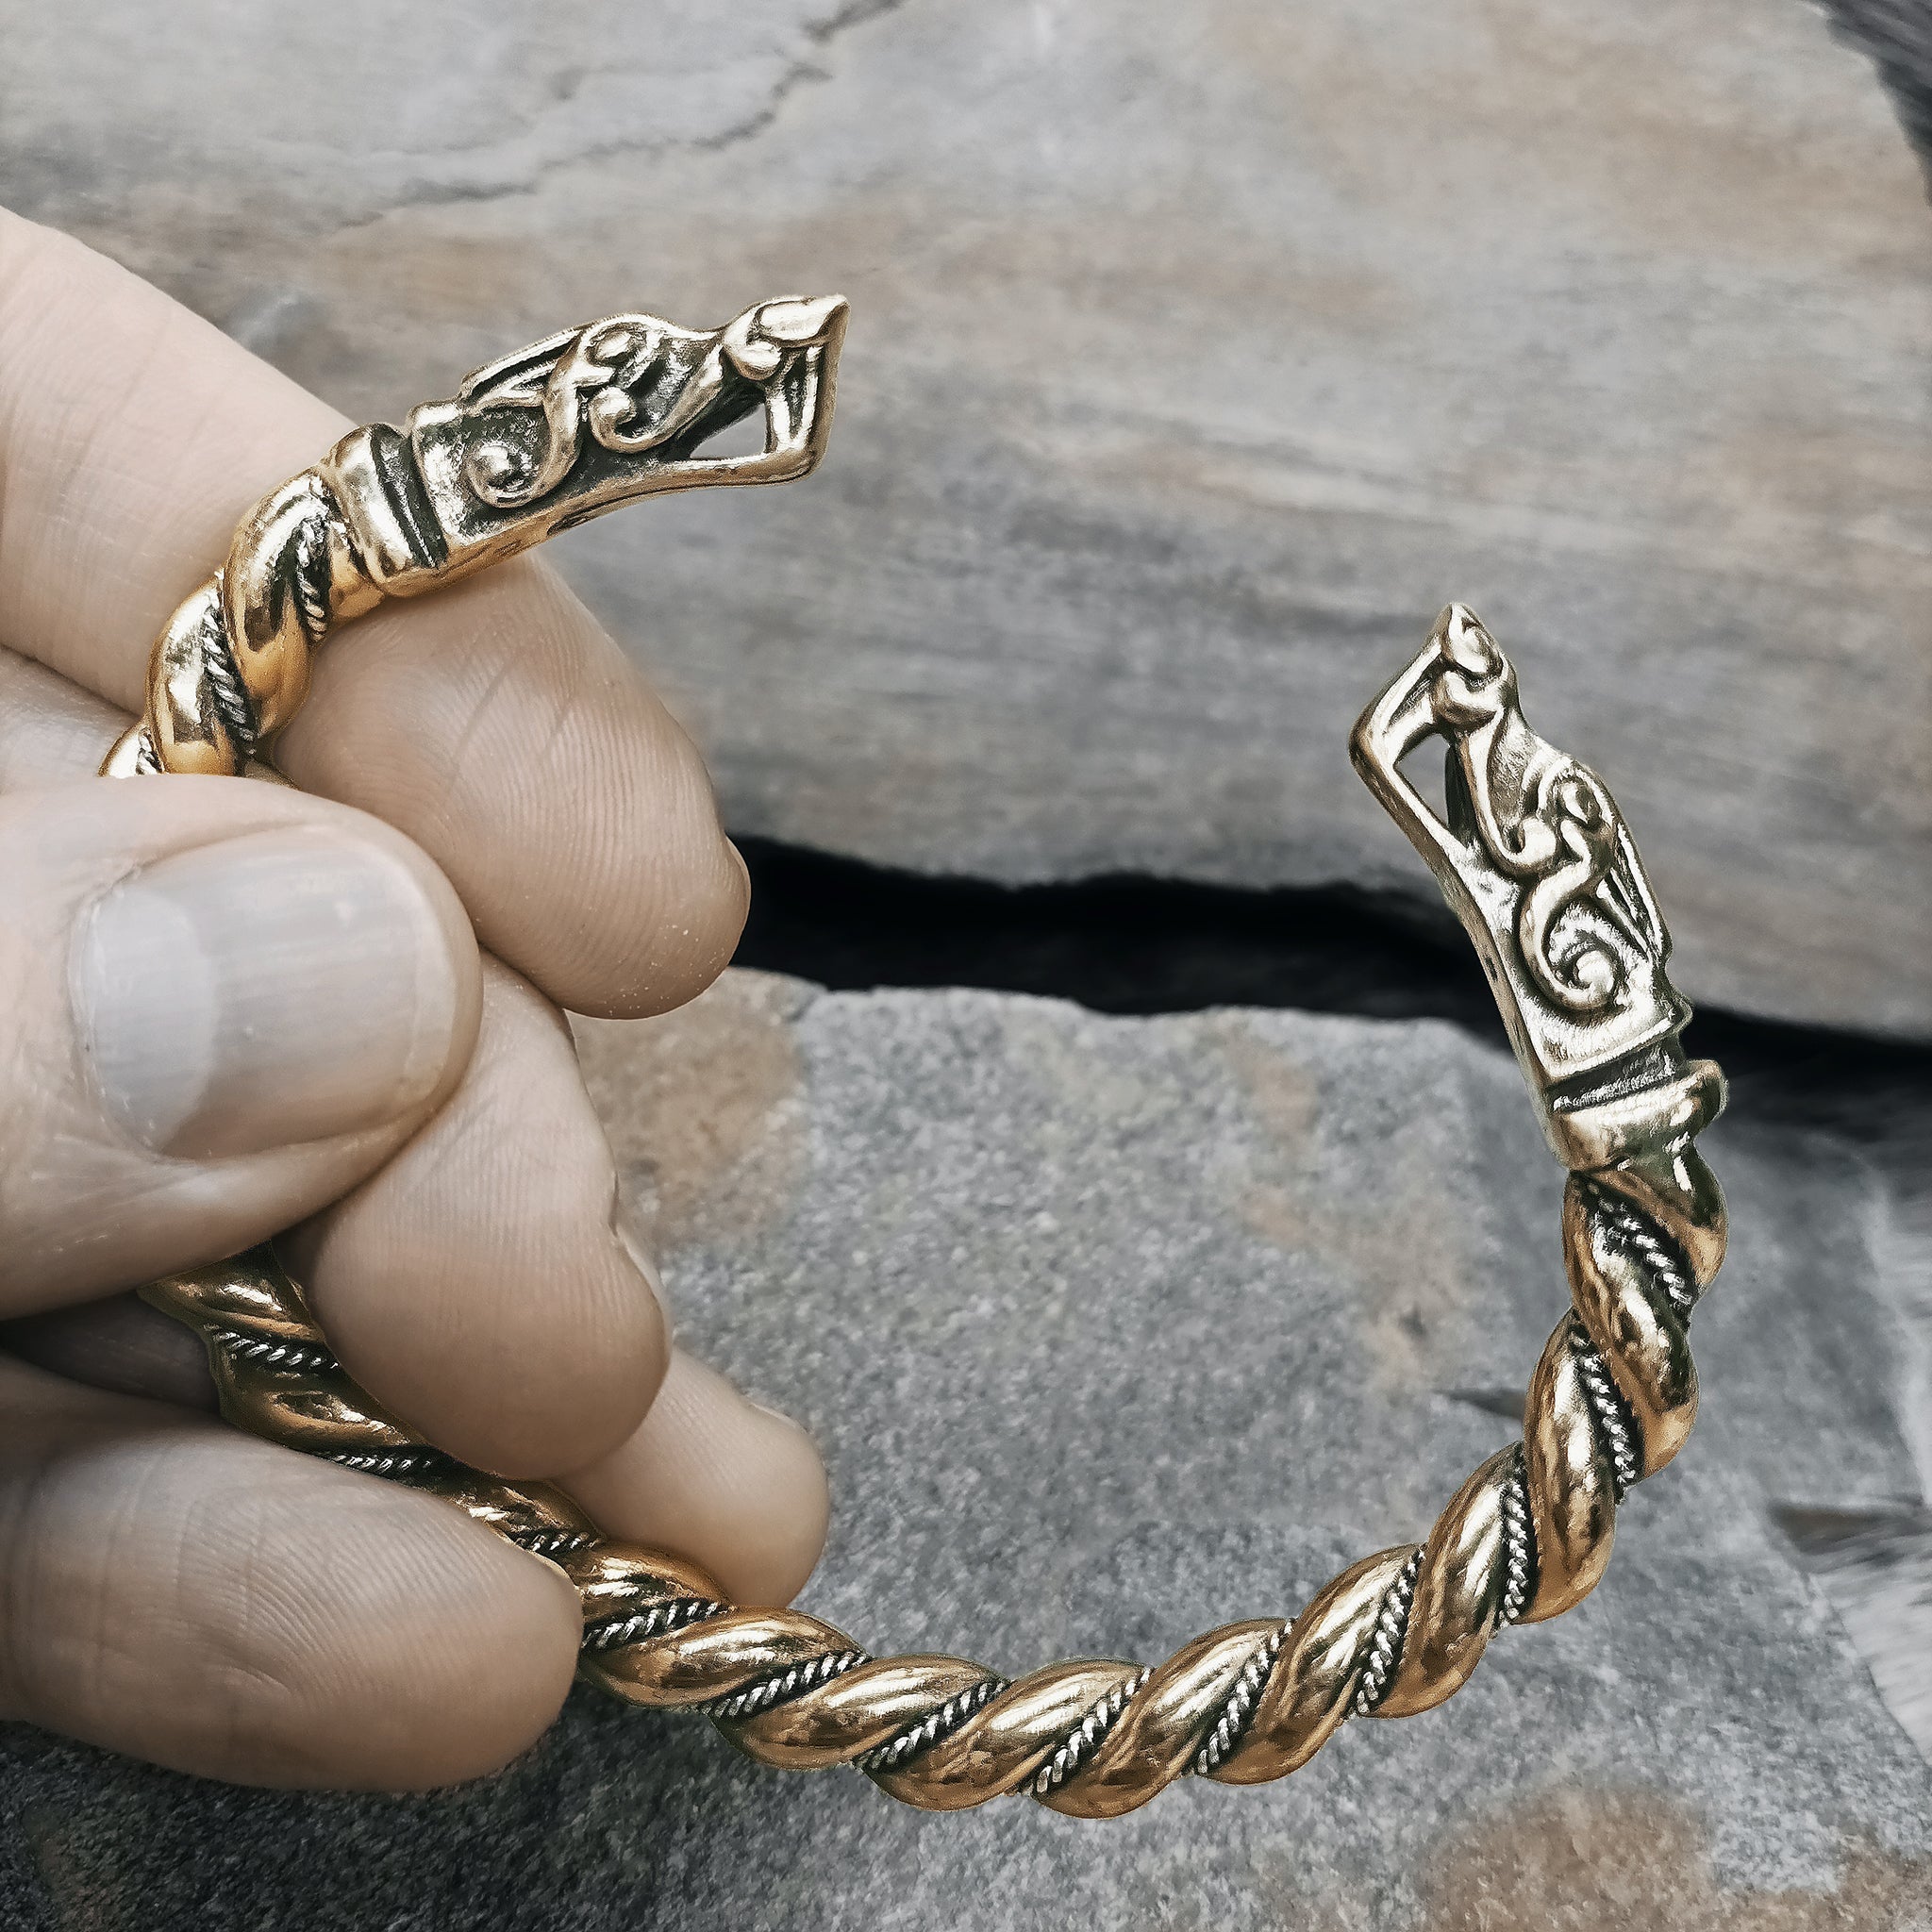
{"x":690,"y":917}
{"x":52,"y":732}
{"x":508,"y":1680}
{"x":478,"y":1653}
{"x":716,"y":1477}
{"x":261,"y":1616}
{"x":500,"y":726}
{"x":477,"y":1285}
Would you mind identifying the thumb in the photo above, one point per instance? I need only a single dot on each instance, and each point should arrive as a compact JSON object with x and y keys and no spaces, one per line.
{"x":222,"y":1004}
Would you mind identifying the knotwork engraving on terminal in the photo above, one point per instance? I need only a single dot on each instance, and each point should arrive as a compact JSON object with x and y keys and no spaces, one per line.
{"x":631,"y":384}
{"x":1585,"y":913}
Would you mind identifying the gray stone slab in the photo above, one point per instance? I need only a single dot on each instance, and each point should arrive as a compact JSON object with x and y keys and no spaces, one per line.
{"x":1200,"y":354}
{"x":1877,"y":1568}
{"x":1113,"y":1329}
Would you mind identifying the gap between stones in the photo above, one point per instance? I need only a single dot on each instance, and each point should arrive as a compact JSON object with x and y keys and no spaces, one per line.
{"x":1132,"y":944}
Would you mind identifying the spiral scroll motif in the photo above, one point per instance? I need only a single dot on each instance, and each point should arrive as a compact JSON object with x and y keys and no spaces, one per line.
{"x":1526,"y":1537}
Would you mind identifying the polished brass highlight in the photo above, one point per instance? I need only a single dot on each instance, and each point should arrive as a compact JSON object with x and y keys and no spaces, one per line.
{"x":1530,"y":852}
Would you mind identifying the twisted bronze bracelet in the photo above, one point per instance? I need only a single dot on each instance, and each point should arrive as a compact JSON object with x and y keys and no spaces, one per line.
{"x":1531,"y":854}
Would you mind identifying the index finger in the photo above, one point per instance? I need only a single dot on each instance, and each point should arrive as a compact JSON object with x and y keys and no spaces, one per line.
{"x":496,"y":723}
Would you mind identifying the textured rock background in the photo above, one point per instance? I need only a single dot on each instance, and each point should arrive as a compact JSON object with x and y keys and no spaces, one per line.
{"x":1115,"y":1329}
{"x":1200,"y":354}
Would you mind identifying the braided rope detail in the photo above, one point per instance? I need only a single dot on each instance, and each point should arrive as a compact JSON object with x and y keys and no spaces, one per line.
{"x":225,"y":690}
{"x":673,"y":1615}
{"x":231,"y":666}
{"x":1519,"y":1548}
{"x":1238,"y":1705}
{"x":271,"y":1354}
{"x":1613,"y":1420}
{"x":942,"y":1720}
{"x":1660,"y":1259}
{"x":1525,"y":1538}
{"x":311,"y":579}
{"x":399,"y":1465}
{"x":1084,"y":1740}
{"x":786,"y":1685}
{"x":1392,"y":1629}
{"x":554,"y":1543}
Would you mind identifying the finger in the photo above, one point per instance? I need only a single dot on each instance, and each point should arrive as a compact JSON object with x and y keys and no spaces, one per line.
{"x":708,"y":1473}
{"x":258,"y":1616}
{"x":221,"y":1006}
{"x":478,"y":1286}
{"x":738,"y":1488}
{"x":495,"y":723}
{"x":712,"y":1475}
{"x":119,"y":1345}
{"x":509,"y":1323}
{"x":505,"y":733}
{"x":51,"y":731}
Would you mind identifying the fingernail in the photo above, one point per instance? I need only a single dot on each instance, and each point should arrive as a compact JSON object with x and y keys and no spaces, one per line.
{"x":283,"y":987}
{"x":778,"y":1415}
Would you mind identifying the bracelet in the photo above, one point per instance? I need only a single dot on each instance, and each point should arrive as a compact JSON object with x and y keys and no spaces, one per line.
{"x":1530,"y":853}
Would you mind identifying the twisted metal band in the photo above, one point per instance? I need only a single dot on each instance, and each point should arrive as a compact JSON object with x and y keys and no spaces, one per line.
{"x":1531,"y":854}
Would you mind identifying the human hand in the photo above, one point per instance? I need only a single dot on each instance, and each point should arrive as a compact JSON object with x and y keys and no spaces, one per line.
{"x":230,"y":1009}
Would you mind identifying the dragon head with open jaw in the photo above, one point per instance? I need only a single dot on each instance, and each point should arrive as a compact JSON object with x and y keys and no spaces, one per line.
{"x":584,"y":421}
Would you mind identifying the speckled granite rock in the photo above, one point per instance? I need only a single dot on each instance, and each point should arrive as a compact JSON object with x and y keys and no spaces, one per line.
{"x":1200,"y":354}
{"x":1113,"y":1329}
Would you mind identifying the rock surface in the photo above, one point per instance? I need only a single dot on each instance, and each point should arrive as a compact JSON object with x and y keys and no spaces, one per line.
{"x":1115,"y":1329}
{"x":1200,"y":354}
